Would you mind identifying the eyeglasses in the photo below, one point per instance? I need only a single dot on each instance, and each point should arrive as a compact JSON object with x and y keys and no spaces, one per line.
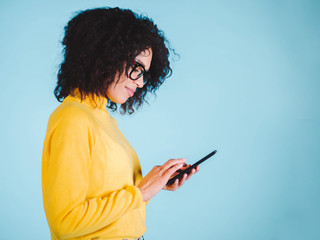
{"x":138,"y":71}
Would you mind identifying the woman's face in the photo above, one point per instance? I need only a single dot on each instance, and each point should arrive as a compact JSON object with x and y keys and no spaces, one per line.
{"x":126,"y":87}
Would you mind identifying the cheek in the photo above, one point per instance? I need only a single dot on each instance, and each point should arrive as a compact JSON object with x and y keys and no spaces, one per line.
{"x":118,"y":93}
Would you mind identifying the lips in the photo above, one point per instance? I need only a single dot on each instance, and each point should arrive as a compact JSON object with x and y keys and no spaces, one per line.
{"x":130,"y":91}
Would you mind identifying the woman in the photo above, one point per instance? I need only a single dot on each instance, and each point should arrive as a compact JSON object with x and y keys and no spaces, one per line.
{"x":92,"y":182}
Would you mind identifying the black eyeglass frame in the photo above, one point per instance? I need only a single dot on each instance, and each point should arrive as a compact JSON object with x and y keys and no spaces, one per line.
{"x":146,"y":74}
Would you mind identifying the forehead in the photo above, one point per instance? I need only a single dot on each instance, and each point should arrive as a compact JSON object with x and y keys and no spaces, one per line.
{"x":145,"y":58}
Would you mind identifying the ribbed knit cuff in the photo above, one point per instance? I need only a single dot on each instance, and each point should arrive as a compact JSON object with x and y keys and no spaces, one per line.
{"x":138,"y":195}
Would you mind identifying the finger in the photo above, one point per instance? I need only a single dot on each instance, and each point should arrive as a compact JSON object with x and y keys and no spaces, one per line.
{"x":183,"y":179}
{"x":193,"y":171}
{"x":180,"y":161}
{"x":172,"y":170}
{"x":175,"y":185}
{"x":170,"y":173}
{"x":185,"y":166}
{"x":173,"y":162}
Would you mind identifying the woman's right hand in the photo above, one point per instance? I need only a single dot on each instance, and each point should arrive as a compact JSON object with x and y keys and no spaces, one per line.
{"x":158,"y":177}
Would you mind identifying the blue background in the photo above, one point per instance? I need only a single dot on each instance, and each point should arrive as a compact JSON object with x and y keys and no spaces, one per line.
{"x":246,"y":83}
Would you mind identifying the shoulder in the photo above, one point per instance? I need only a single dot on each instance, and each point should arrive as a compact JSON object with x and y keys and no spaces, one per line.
{"x":72,"y":115}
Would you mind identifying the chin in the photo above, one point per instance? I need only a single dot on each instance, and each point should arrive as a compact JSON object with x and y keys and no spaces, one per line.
{"x":118,"y":100}
{"x":122,"y":102}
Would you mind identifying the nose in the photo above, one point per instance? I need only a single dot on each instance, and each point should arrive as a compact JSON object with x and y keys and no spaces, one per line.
{"x":139,"y":82}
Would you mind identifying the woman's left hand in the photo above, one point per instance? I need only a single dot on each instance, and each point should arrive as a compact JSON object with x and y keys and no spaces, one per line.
{"x":178,"y":183}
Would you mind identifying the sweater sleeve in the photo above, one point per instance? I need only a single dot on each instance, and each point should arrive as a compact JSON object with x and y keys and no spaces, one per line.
{"x":68,"y":148}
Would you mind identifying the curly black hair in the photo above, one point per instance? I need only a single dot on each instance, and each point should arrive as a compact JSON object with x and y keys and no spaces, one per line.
{"x":101,"y":42}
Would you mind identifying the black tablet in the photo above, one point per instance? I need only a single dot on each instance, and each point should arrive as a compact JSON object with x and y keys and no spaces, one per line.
{"x":188,"y":170}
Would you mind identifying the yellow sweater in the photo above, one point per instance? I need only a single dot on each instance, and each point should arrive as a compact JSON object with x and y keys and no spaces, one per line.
{"x":89,"y":175}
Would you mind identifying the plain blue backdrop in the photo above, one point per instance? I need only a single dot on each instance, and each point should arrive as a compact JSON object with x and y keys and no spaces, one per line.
{"x":247,"y":84}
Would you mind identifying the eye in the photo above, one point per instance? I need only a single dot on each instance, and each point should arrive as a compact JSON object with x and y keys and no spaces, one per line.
{"x":138,"y":69}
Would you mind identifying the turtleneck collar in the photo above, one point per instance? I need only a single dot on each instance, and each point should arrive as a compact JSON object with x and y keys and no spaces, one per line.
{"x":92,"y":100}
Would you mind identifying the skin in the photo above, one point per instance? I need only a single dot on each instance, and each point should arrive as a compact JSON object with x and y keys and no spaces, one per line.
{"x":156,"y":179}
